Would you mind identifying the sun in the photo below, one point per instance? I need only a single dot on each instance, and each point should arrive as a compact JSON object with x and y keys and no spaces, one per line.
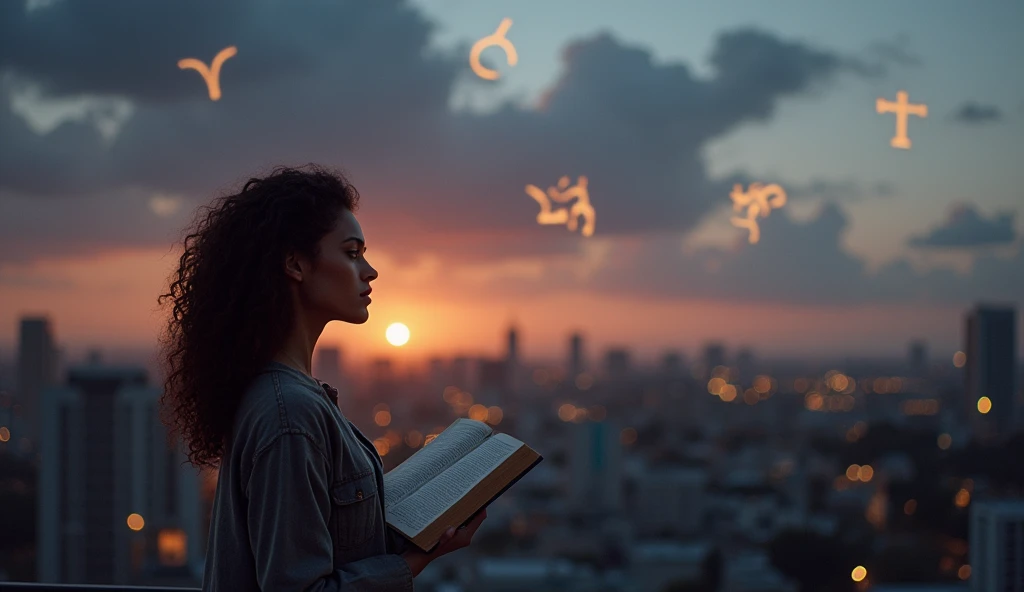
{"x":397,"y":334}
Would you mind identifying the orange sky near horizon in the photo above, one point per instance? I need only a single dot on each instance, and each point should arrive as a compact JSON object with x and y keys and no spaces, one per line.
{"x":109,"y":301}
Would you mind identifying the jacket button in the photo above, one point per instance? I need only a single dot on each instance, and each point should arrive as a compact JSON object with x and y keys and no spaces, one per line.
{"x":359,"y":494}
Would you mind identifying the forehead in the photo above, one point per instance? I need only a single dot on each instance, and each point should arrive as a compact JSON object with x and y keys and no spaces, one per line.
{"x":347,"y":226}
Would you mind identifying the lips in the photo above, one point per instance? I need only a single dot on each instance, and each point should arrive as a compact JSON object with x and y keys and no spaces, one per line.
{"x":367,"y":293}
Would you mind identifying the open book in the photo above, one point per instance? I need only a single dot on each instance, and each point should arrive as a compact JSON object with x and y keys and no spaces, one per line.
{"x":446,"y":482}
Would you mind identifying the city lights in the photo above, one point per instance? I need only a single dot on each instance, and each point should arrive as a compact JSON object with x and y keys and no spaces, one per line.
{"x":135,"y":522}
{"x":984,"y":405}
{"x":859,"y":573}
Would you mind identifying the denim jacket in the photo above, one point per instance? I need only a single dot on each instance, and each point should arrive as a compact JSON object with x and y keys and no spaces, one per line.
{"x":300,"y":497}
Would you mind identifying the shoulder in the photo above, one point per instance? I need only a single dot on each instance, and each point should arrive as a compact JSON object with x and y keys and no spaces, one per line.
{"x":277,"y":404}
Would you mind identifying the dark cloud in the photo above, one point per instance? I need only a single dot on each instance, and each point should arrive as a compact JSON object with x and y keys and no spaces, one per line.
{"x":794,"y":262}
{"x":965,"y":228}
{"x":839,"y":190}
{"x":354,"y":84}
{"x":971,"y":112}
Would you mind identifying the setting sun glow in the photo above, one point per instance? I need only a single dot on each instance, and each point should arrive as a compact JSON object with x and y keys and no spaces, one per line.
{"x":397,"y":334}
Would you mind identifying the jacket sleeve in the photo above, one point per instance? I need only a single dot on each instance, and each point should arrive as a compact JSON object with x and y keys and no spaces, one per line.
{"x":287,"y":515}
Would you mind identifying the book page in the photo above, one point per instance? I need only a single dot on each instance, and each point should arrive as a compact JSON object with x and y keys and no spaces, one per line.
{"x":430,"y":501}
{"x":449,"y":446}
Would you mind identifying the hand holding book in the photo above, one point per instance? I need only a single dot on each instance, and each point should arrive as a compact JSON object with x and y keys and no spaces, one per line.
{"x":452,"y":540}
{"x":451,"y":479}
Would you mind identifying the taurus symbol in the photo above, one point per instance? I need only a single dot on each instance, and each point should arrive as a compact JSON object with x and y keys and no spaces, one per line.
{"x":497,"y":38}
{"x":212,"y":74}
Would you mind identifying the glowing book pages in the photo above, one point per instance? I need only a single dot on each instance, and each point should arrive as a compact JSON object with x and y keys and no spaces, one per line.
{"x":449,"y":480}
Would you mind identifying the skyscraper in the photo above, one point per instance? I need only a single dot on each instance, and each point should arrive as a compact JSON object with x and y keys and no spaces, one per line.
{"x":617,"y":362}
{"x":577,"y":363}
{"x":991,"y":369}
{"x":714,"y":355}
{"x":917,"y":358}
{"x":512,"y":352}
{"x":37,"y":370}
{"x":595,"y":467}
{"x":997,"y":545}
{"x":115,"y":502}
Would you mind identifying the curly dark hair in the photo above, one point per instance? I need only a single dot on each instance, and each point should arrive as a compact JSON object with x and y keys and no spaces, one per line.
{"x":232,"y":306}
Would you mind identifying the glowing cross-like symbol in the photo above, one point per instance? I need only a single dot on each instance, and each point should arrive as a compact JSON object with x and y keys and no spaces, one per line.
{"x":901,"y":108}
{"x":757,"y":203}
{"x":497,"y":38}
{"x":562,"y":194}
{"x":212,"y":74}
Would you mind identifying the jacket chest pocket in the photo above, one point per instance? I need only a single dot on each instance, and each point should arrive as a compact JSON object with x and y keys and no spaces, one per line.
{"x":354,"y":511}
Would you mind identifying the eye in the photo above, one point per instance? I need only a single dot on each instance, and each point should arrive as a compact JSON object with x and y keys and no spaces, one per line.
{"x":354,"y":253}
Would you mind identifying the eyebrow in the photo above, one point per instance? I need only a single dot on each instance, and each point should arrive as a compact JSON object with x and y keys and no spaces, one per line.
{"x":361,"y":242}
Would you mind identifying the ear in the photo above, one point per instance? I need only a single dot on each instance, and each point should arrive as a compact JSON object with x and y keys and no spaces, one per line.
{"x":293,"y":266}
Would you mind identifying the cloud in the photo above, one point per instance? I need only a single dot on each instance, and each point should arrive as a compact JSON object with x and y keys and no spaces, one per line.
{"x":972,"y":112}
{"x":839,"y":190}
{"x":355,"y":85}
{"x":965,"y":228}
{"x":794,"y":262}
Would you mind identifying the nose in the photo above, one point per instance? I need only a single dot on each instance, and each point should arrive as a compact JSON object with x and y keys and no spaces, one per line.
{"x":369,"y":274}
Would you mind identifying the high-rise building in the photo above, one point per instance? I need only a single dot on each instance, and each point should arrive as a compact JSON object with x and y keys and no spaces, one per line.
{"x":577,"y":362}
{"x":672,"y":363}
{"x":512,"y":351}
{"x":714,"y":355}
{"x":37,"y":370}
{"x":595,"y":461}
{"x":617,"y":362}
{"x":917,"y":358}
{"x":116,"y":504}
{"x":680,"y":496}
{"x":991,"y":369}
{"x":997,"y":545}
{"x":492,"y":382}
{"x":464,"y":373}
{"x":745,"y":365}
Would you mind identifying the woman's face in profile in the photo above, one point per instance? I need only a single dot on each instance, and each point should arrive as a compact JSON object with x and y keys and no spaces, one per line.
{"x":338,"y":286}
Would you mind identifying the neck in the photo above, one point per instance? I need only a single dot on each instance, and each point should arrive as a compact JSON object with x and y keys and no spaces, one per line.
{"x":297,"y":350}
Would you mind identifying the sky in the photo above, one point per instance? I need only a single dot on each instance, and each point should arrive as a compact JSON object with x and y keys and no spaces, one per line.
{"x":107,"y":148}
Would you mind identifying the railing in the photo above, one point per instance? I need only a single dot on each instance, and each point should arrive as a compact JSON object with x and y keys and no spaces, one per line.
{"x":27,"y":587}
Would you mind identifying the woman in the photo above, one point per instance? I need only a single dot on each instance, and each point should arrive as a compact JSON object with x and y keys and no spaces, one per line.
{"x":299,"y":502}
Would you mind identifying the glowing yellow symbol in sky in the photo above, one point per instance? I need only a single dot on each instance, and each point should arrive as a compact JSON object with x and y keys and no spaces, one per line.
{"x":497,"y":38}
{"x":757,"y":203}
{"x":212,"y":74}
{"x":562,"y":194}
{"x":901,"y":108}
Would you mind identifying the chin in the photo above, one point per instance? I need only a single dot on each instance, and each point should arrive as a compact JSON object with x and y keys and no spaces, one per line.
{"x":356,"y":317}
